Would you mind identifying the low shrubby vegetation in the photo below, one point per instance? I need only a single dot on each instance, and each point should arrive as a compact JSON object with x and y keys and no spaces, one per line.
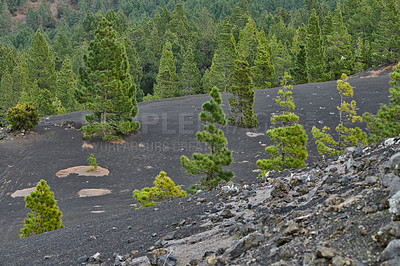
{"x":164,"y":190}
{"x":23,"y":116}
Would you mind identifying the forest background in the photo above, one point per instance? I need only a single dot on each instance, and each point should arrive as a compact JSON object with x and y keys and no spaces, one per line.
{"x":177,"y":48}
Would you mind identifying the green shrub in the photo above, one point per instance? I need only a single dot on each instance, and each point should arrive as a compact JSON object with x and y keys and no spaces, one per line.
{"x":45,"y":215}
{"x":92,"y":162}
{"x":23,"y":116}
{"x":164,"y":190}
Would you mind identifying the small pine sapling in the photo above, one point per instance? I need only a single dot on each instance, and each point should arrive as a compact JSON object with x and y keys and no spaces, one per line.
{"x":92,"y":162}
{"x":45,"y":215}
{"x":219,"y":155}
{"x":289,"y":137}
{"x":346,"y":136}
{"x":164,"y":190}
{"x":386,"y":122}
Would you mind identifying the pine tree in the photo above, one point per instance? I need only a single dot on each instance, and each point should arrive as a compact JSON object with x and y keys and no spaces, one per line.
{"x":45,"y":215}
{"x":6,"y":99}
{"x":136,"y":69}
{"x":388,"y":33}
{"x":386,"y":122}
{"x":61,"y":48}
{"x":108,"y":87}
{"x":299,"y":71}
{"x":327,"y":27}
{"x":223,"y":60}
{"x":166,"y":81}
{"x":42,"y":100}
{"x":346,"y":136}
{"x":289,"y":137}
{"x":67,"y":86}
{"x":316,"y":61}
{"x":263,"y":70}
{"x":242,"y":101}
{"x":8,"y":57}
{"x":338,"y":52}
{"x":189,"y":77}
{"x":359,"y":56}
{"x":248,"y":42}
{"x":41,"y":63}
{"x":20,"y":78}
{"x":239,"y":17}
{"x":281,"y":58}
{"x":219,"y":155}
{"x":179,"y":25}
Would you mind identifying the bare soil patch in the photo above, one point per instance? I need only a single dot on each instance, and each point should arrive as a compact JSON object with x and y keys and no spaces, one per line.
{"x":23,"y":192}
{"x":83,"y":171}
{"x":93,"y":192}
{"x":87,"y":146}
{"x":378,"y":72}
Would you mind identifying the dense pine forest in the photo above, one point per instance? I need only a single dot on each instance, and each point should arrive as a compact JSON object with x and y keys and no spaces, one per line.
{"x":53,"y":53}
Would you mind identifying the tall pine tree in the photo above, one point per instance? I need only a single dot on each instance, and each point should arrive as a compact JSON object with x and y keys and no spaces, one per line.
{"x":41,"y":63}
{"x":242,"y":101}
{"x":108,"y":87}
{"x":189,"y":76}
{"x":67,"y":86}
{"x":338,"y":47}
{"x":167,"y":78}
{"x":316,"y":60}
{"x":223,"y":60}
{"x":263,"y":70}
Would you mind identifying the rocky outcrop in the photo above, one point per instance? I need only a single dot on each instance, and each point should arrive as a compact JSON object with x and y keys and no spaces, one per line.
{"x":340,"y":212}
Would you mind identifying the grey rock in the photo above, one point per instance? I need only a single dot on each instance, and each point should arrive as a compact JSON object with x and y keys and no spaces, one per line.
{"x":392,"y":262}
{"x":167,"y":260}
{"x":340,"y":261}
{"x":388,"y":233}
{"x":292,"y":229}
{"x":170,"y":236}
{"x":280,"y":190}
{"x":326,"y":253}
{"x":394,"y":162}
{"x":226,"y":214}
{"x":249,"y":241}
{"x":392,"y":182}
{"x":394,"y":203}
{"x":370,"y":180}
{"x":392,"y":251}
{"x":83,"y":259}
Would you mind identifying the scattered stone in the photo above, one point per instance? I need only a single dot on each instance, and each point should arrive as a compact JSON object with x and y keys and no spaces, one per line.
{"x":292,"y":229}
{"x":167,"y":260}
{"x":388,"y":233}
{"x":370,"y":180}
{"x":325,"y":252}
{"x":83,"y":259}
{"x":392,"y":182}
{"x":394,"y":162}
{"x":340,"y":261}
{"x":392,"y":251}
{"x":394,"y":203}
{"x":249,"y":241}
{"x":226,"y":214}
